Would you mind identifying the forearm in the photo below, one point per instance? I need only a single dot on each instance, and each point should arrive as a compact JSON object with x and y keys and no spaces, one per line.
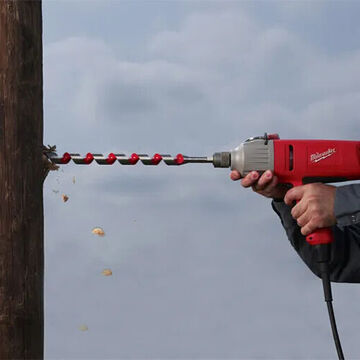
{"x":347,"y":205}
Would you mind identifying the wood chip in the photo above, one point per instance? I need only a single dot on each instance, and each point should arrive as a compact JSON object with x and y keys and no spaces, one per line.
{"x":98,"y":231}
{"x":73,"y":179}
{"x":65,"y":198}
{"x":107,"y":272}
{"x":83,"y":328}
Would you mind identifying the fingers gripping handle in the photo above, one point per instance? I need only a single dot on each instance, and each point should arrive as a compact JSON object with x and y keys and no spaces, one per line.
{"x":320,"y":236}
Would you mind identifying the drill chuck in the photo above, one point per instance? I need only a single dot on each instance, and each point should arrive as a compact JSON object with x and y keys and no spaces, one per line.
{"x":222,"y":159}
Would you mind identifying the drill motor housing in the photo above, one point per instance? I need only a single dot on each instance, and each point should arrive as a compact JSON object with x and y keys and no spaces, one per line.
{"x":299,"y":162}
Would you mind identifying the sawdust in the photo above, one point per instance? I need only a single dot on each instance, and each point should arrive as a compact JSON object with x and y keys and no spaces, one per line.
{"x":98,"y":231}
{"x":73,"y":179}
{"x":83,"y":328}
{"x":65,"y":198}
{"x":107,"y":272}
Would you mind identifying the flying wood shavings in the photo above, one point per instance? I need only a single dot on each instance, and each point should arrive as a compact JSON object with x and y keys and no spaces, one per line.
{"x":107,"y":272}
{"x":65,"y":198}
{"x":98,"y":231}
{"x":83,"y":328}
{"x":73,"y":179}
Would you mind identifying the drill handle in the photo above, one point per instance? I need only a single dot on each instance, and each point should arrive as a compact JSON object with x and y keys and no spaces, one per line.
{"x":320,"y":236}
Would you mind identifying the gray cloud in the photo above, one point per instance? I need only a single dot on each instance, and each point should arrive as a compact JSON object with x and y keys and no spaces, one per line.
{"x":124,"y":99}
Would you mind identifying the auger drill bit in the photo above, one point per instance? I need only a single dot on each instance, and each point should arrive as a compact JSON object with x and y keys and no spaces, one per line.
{"x":218,"y":159}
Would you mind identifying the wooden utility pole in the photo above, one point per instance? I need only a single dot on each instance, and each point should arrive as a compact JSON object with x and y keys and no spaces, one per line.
{"x":21,"y":176}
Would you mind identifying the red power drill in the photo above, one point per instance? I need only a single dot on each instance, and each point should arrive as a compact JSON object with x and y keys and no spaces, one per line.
{"x":294,"y":162}
{"x":297,"y":162}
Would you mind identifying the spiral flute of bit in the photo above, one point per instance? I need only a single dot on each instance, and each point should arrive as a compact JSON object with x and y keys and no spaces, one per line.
{"x":123,"y":159}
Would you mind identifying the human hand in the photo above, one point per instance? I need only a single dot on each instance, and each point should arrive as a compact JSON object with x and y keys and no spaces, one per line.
{"x":266,"y":184}
{"x":315,"y":207}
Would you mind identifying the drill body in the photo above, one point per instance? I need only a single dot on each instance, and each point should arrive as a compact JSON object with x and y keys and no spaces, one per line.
{"x":298,"y":162}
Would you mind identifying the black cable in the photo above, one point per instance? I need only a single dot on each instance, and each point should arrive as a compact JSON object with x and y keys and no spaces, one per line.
{"x":328,"y":299}
{"x":323,"y":260}
{"x":334,"y":331}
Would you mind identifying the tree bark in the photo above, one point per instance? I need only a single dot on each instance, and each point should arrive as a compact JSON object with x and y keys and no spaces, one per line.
{"x":21,"y":175}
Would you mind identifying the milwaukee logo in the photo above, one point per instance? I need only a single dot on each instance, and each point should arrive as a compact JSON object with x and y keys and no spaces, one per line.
{"x":314,"y":158}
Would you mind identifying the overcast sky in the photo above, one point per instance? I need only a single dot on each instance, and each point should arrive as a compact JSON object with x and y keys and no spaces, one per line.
{"x":201,"y":268}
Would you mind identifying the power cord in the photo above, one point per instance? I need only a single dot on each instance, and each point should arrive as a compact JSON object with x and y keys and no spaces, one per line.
{"x":323,"y":252}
